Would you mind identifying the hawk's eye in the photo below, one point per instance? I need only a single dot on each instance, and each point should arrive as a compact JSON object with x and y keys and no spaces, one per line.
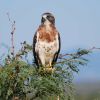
{"x":51,"y":19}
{"x":48,"y":17}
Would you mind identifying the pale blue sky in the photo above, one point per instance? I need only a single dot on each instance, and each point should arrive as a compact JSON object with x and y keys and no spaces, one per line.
{"x":78,"y":22}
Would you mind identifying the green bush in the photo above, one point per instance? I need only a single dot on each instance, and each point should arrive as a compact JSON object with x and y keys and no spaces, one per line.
{"x":21,"y":79}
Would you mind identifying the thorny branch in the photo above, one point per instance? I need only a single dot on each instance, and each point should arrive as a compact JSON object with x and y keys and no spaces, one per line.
{"x":12,"y":38}
{"x":12,"y":34}
{"x":76,"y":55}
{"x":70,"y":54}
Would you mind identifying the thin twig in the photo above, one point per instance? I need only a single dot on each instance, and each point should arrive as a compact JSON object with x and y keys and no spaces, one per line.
{"x":12,"y":38}
{"x":12,"y":34}
{"x":70,"y":54}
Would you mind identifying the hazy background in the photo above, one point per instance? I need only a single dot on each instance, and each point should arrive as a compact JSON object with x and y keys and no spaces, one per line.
{"x":78,"y":22}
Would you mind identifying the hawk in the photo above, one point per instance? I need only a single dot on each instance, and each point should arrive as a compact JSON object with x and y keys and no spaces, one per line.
{"x":46,"y":42}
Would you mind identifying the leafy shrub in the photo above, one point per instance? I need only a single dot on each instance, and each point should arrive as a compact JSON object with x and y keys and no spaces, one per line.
{"x":19,"y":78}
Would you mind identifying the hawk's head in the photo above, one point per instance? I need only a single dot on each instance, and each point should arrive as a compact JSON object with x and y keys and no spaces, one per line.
{"x":48,"y":18}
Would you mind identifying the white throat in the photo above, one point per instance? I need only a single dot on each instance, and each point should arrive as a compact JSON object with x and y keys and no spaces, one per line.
{"x":47,"y":24}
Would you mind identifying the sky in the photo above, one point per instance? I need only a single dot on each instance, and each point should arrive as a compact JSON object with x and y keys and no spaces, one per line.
{"x":78,"y":22}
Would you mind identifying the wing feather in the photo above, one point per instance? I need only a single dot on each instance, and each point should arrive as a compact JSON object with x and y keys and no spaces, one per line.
{"x":36,"y":56}
{"x":57,"y":53}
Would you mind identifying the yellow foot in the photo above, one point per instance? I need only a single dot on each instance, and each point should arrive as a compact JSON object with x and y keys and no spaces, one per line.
{"x":49,"y":69}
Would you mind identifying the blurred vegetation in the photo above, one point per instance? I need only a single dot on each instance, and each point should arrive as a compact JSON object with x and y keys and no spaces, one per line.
{"x":88,"y":90}
{"x":90,"y":96}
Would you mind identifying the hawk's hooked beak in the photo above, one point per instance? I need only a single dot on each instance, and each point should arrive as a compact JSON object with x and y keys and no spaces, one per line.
{"x":43,"y":20}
